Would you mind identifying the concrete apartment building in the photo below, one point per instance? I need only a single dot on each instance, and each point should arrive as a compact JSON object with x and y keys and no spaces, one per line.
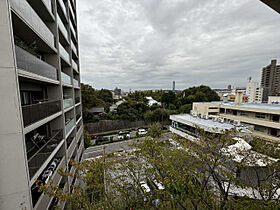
{"x":254,"y":92}
{"x":264,"y":118}
{"x":271,"y":80}
{"x":41,"y":114}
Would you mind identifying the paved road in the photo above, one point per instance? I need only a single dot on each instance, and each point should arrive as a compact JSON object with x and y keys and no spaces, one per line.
{"x":108,"y":148}
{"x":115,"y":147}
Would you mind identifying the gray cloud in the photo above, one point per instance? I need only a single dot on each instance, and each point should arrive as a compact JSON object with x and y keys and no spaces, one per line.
{"x":144,"y":44}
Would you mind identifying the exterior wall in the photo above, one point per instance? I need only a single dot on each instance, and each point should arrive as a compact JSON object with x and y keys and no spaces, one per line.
{"x":254,"y":92}
{"x":16,"y":75}
{"x":14,"y":188}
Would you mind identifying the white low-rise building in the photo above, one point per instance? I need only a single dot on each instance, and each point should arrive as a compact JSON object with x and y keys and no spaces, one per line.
{"x":254,"y":92}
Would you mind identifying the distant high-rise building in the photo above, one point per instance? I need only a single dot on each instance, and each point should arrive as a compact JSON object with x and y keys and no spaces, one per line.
{"x":254,"y":92}
{"x":229,"y":87}
{"x":271,"y":80}
{"x":41,"y":126}
{"x":173,"y":86}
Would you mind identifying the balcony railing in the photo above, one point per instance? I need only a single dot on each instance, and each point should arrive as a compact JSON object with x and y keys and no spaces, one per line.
{"x":36,"y":112}
{"x":36,"y":160}
{"x":69,"y":126}
{"x":64,"y":53}
{"x":69,"y":141}
{"x":67,"y":103}
{"x":74,"y":64}
{"x":29,"y":62}
{"x":75,"y":83}
{"x":65,"y":79}
{"x":62,"y":27}
{"x":26,"y":12}
{"x":78,"y":116}
{"x":62,"y":5}
{"x":73,"y":47}
{"x":77,"y":100}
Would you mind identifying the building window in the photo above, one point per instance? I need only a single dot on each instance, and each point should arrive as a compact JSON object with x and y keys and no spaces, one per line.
{"x":260,"y":115}
{"x":244,"y":113}
{"x":275,"y":118}
{"x":213,"y":107}
{"x":234,"y":112}
{"x":259,"y":128}
{"x":222,"y":110}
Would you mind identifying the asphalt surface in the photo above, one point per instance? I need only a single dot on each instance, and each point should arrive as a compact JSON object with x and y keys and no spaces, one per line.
{"x":115,"y":147}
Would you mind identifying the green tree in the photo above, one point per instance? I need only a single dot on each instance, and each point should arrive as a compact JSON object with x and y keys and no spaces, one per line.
{"x":186,"y":108}
{"x":155,"y":130}
{"x":194,"y":176}
{"x":148,"y":116}
{"x":87,"y":140}
{"x":168,"y":97}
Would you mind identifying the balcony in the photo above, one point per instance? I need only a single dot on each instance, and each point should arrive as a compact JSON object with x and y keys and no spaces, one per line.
{"x":73,"y":30}
{"x":67,"y":103}
{"x":72,"y":11}
{"x":69,"y":125}
{"x":76,"y":83}
{"x":62,"y":28}
{"x":77,"y":100}
{"x":78,"y":116}
{"x":74,"y":47}
{"x":30,"y":63}
{"x":36,"y":161}
{"x":74,"y":64}
{"x":48,"y":4}
{"x":65,"y":79}
{"x":25,"y":11}
{"x":36,"y":112}
{"x":62,"y":5}
{"x":69,"y":141}
{"x":65,"y":55}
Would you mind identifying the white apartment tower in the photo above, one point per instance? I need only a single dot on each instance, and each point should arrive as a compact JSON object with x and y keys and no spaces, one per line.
{"x":254,"y":92}
{"x":41,"y":126}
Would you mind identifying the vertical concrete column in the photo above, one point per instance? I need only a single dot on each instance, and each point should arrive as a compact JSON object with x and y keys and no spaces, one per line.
{"x":14,"y":181}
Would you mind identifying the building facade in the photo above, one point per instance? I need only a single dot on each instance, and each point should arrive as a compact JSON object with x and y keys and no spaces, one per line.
{"x":41,"y":126}
{"x":254,"y":92}
{"x":270,"y":80}
{"x":265,"y":118}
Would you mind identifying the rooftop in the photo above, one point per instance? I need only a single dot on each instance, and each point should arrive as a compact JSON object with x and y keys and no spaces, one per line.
{"x":200,"y":122}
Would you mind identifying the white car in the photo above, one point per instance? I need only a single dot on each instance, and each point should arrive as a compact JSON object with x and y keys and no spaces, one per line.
{"x":142,"y":131}
{"x":123,"y":134}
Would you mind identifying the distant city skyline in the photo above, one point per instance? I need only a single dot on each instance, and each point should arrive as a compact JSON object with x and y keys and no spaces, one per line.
{"x":147,"y":44}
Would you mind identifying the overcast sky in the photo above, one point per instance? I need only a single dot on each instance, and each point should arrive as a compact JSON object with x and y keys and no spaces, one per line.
{"x":146,"y":44}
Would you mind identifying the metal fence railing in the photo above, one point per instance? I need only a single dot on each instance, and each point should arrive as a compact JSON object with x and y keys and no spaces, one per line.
{"x":36,"y":112}
{"x":29,"y":62}
{"x":42,"y":154}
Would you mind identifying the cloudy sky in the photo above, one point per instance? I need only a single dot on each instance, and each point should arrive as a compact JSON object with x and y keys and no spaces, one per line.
{"x":146,"y":44}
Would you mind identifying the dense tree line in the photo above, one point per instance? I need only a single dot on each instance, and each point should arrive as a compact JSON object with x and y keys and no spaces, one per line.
{"x":136,"y":106}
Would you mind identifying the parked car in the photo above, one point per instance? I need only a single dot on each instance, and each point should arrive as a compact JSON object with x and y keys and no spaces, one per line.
{"x":142,"y":131}
{"x":102,"y":138}
{"x":123,"y":134}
